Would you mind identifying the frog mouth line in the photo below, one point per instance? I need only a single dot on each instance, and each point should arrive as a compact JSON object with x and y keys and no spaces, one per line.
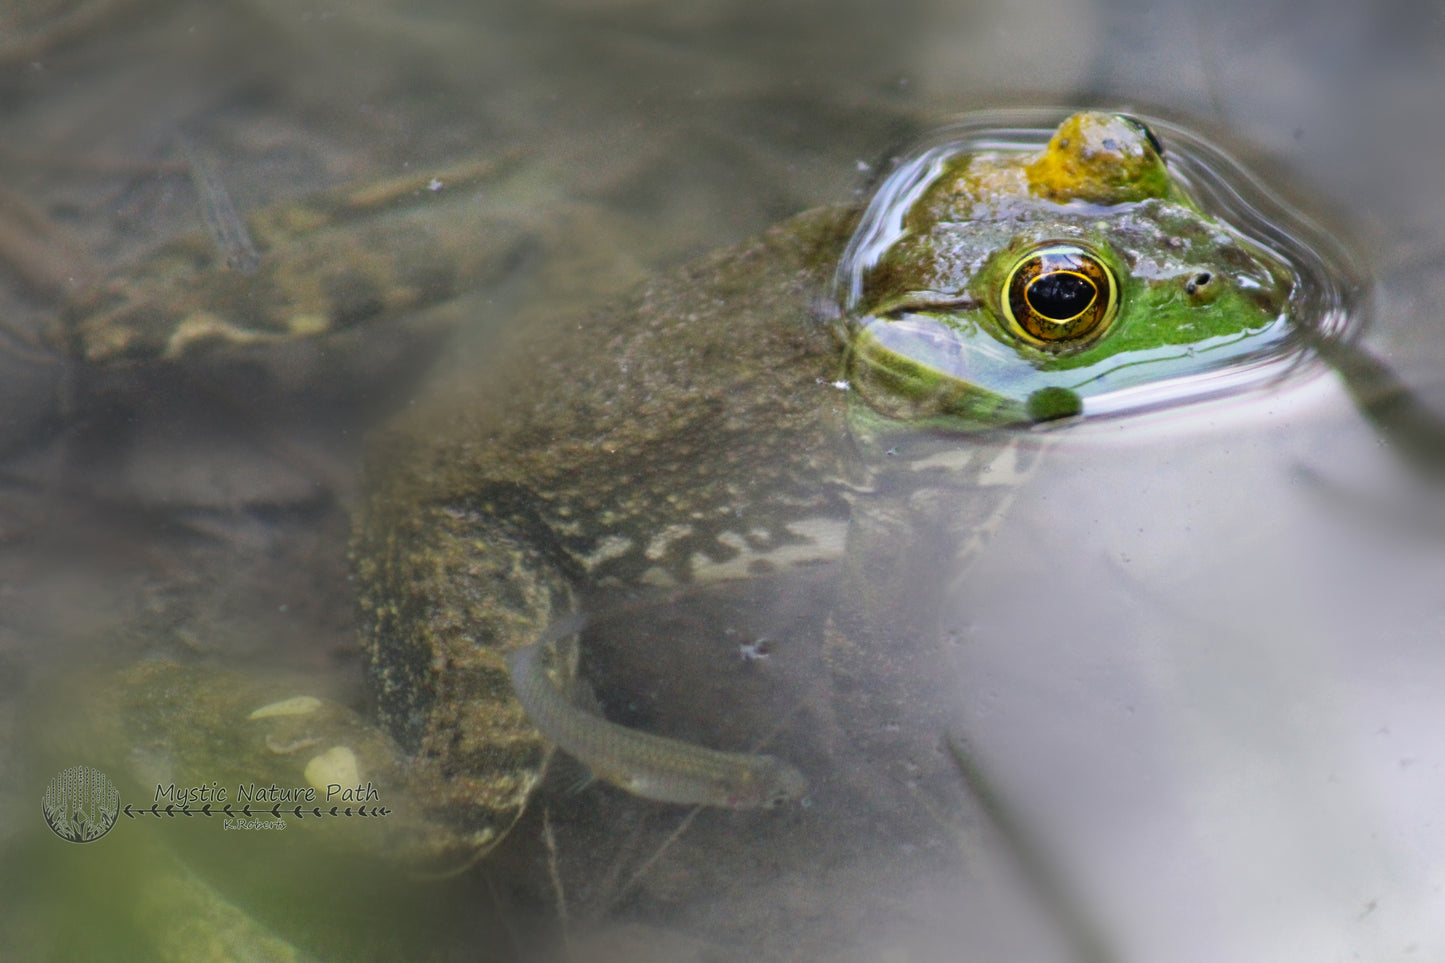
{"x":927,"y":305}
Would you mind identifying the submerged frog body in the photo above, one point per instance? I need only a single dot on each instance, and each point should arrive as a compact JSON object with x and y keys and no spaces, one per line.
{"x":858,"y":387}
{"x":326,"y":264}
{"x":718,"y":424}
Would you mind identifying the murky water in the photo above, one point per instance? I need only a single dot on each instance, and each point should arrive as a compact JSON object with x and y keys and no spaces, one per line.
{"x":1215,"y":735}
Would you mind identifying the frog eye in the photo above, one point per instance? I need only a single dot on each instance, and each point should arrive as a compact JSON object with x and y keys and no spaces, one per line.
{"x":1060,"y":294}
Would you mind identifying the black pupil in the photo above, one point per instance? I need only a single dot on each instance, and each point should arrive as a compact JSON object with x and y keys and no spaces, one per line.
{"x":1061,"y":295}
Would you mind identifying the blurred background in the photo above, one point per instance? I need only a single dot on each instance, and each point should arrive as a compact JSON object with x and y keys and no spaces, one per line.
{"x":1223,"y":730}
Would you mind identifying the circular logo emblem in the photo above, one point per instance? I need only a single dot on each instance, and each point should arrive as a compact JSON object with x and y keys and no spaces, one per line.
{"x":81,"y":804}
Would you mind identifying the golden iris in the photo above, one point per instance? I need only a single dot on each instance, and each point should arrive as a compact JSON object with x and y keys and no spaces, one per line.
{"x":1059,"y":294}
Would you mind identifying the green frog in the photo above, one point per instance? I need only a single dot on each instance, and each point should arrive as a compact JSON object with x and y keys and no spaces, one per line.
{"x":857,"y":392}
{"x":809,"y":396}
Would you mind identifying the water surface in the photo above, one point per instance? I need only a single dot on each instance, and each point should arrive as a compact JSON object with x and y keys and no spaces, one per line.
{"x":1219,"y":728}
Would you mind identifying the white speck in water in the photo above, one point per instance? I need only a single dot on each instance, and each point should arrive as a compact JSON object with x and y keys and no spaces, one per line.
{"x":754,"y":651}
{"x":435,"y":184}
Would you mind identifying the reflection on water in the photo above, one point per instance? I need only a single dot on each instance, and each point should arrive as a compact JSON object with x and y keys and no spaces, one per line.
{"x":1197,"y":662}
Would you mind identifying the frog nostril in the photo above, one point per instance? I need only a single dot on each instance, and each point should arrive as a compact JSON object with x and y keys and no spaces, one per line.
{"x":1198,"y":283}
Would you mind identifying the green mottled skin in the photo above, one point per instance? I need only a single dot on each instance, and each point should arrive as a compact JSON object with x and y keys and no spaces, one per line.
{"x":700,"y":428}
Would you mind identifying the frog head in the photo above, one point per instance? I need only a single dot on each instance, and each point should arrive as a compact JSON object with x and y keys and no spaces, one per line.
{"x":990,"y":285}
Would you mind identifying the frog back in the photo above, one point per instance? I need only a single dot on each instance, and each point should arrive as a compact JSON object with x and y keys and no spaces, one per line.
{"x":689,"y":430}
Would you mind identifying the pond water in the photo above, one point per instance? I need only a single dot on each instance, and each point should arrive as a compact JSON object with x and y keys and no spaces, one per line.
{"x":1194,"y":671}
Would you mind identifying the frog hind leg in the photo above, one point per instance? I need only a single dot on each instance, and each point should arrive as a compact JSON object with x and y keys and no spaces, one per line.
{"x":446,"y":591}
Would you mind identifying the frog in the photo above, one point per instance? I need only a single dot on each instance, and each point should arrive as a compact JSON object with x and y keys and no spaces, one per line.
{"x":764,"y":410}
{"x":859,"y":392}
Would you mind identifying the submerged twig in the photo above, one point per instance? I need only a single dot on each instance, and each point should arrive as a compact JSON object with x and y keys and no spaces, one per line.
{"x":1038,"y":874}
{"x":503,"y":915}
{"x":223,"y":221}
{"x":649,"y":862}
{"x":1415,"y":432}
{"x":682,"y":827}
{"x":550,"y":841}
